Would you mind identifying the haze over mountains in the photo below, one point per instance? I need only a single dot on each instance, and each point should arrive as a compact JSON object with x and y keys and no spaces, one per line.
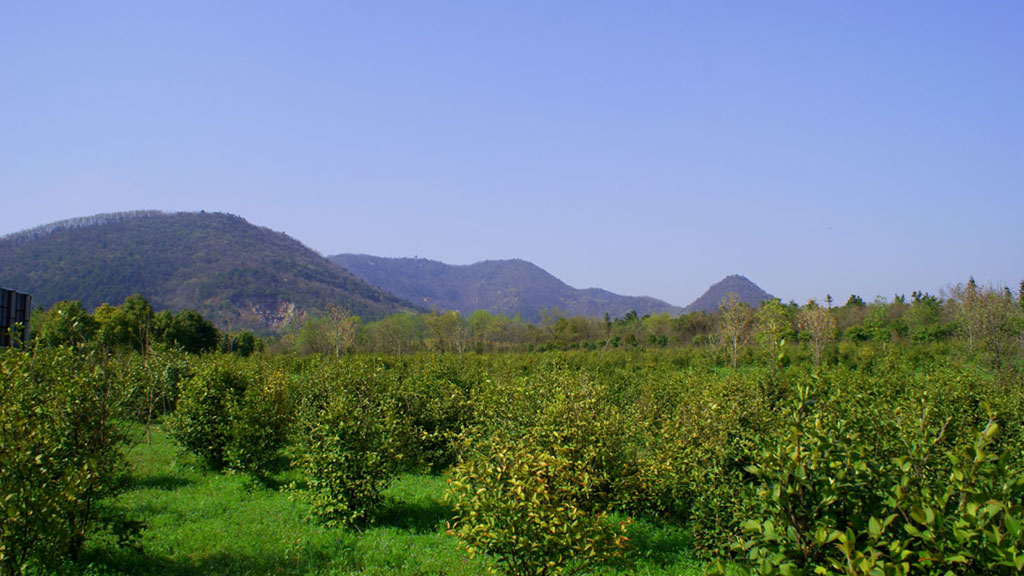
{"x":505,"y":287}
{"x":244,"y":276}
{"x":744,"y":289}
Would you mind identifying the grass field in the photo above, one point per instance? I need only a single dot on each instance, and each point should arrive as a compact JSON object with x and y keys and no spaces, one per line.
{"x":196,"y":522}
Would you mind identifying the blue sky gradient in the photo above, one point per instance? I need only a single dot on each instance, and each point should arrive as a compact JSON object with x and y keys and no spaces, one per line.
{"x":647,"y":148}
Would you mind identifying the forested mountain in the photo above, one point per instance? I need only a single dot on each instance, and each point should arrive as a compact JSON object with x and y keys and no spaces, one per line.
{"x":745,"y":290}
{"x":505,"y":287}
{"x":237,"y":274}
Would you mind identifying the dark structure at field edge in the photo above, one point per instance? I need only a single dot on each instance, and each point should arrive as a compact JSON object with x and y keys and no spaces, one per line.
{"x":15,"y":309}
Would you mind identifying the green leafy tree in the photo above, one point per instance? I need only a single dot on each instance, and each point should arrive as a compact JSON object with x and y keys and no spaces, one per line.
{"x":484,"y":330}
{"x":351,"y":443}
{"x":820,"y":326}
{"x":735,"y":322}
{"x":68,"y":323}
{"x":774,"y":324}
{"x":202,"y":422}
{"x":925,"y":318}
{"x":187,"y":330}
{"x":396,"y":334}
{"x":989,"y":322}
{"x":449,"y":331}
{"x":332,"y":334}
{"x":243,"y":343}
{"x":127,"y":326}
{"x":877,"y":323}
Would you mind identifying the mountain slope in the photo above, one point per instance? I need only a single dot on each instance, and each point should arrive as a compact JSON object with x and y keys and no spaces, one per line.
{"x":505,"y":287}
{"x":235,"y":273}
{"x":744,"y":289}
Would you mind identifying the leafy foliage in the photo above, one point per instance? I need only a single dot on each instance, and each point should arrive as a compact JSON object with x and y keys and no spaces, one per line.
{"x":531,"y":510}
{"x":202,"y":422}
{"x":59,"y":454}
{"x":916,"y":498}
{"x":350,"y":442}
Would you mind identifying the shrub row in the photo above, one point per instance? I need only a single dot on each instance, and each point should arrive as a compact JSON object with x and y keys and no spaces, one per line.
{"x":779,"y":468}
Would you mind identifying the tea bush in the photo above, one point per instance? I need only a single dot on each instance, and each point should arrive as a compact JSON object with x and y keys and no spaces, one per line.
{"x":60,"y":454}
{"x":260,"y":422}
{"x":350,"y":442}
{"x":202,"y":422}
{"x":532,"y":510}
{"x":433,"y":395}
{"x":907,"y":493}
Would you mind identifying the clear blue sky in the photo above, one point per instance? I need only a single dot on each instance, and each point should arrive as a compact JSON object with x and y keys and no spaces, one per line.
{"x":649,"y":148}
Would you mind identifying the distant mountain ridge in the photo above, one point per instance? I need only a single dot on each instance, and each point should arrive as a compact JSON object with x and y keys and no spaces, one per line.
{"x":504,"y":287}
{"x":237,"y":274}
{"x":745,"y":290}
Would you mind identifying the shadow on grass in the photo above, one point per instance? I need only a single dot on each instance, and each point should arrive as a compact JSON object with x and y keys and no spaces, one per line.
{"x":659,"y":543}
{"x":418,"y":517}
{"x":160,"y":482}
{"x":295,"y":561}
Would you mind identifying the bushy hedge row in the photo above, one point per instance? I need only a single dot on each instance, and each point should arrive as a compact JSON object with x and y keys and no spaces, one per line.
{"x":784,"y":468}
{"x":903,"y":462}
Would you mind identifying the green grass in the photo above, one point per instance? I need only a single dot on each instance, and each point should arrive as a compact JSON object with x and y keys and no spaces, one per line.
{"x":196,"y":522}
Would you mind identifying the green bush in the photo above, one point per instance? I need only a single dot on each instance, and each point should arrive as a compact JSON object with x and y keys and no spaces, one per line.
{"x":234,"y":413}
{"x":60,"y":454}
{"x":151,"y":381}
{"x":902,"y":495}
{"x":816,"y":477}
{"x":433,"y":395}
{"x":202,"y":422}
{"x":260,"y":423}
{"x":530,"y":509}
{"x":710,"y":438}
{"x":350,"y":442}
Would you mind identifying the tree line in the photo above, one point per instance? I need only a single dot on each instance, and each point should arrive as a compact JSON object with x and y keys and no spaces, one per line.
{"x":988,"y":320}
